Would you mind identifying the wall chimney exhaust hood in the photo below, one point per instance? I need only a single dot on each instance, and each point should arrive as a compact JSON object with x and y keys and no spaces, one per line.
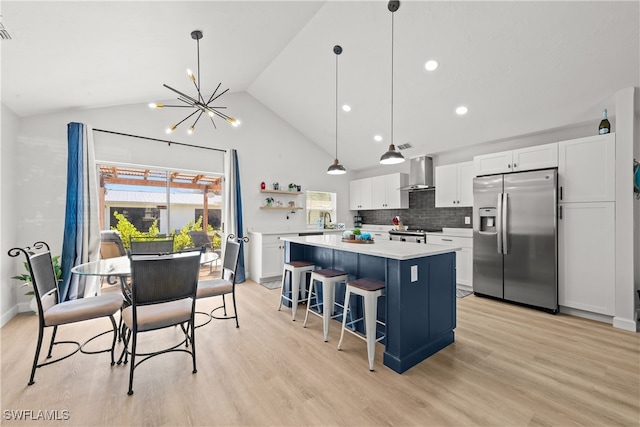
{"x":420,"y":174}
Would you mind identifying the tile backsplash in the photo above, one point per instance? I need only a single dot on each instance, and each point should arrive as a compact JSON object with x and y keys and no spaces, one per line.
{"x":422,"y":212}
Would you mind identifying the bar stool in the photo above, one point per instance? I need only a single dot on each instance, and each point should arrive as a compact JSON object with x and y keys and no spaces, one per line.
{"x":295,"y":270}
{"x":369,"y":290}
{"x":328,"y":277}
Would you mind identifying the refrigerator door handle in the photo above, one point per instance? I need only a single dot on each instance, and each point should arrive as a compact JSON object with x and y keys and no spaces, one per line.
{"x":505,"y":221}
{"x":499,"y":223}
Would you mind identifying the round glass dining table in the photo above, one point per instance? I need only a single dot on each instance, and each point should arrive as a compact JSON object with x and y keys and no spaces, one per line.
{"x":120,"y":266}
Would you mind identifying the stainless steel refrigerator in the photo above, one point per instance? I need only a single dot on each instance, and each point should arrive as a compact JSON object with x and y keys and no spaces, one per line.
{"x":515,"y":248}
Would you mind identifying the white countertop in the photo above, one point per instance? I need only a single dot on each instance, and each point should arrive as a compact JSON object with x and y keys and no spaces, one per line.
{"x":382,"y":248}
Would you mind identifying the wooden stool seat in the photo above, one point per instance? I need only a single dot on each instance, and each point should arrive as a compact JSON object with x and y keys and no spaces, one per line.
{"x":298,"y":264}
{"x":367,"y":284}
{"x":328,"y":272}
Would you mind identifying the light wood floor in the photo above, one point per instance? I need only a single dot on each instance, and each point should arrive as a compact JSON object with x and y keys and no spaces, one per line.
{"x":508,"y":366}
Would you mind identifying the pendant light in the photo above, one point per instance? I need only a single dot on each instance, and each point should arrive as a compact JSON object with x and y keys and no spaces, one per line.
{"x":336,"y":168}
{"x":392,"y":156}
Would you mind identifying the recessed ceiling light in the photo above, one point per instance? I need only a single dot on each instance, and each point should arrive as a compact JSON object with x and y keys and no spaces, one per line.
{"x":431,"y":65}
{"x":346,"y":108}
{"x":378,"y":138}
{"x":462,"y":110}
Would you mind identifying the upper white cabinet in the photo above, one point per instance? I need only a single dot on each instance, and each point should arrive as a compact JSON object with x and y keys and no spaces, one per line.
{"x":386,"y":192}
{"x":379,"y":192}
{"x":454,"y":185}
{"x":360,"y":194}
{"x":522,"y":159}
{"x":586,"y":169}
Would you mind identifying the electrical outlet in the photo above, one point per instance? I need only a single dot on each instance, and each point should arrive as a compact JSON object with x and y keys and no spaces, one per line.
{"x":467,"y":220}
{"x":414,"y":273}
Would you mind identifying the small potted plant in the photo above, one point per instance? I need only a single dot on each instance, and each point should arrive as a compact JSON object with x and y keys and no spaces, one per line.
{"x":269,"y":201}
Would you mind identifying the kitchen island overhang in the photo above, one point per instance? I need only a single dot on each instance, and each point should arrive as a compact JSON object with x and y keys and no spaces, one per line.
{"x":420,"y":294}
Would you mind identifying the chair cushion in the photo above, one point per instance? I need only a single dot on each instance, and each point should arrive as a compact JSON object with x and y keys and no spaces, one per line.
{"x":213,"y":287}
{"x":83,"y":309}
{"x":155,"y":316}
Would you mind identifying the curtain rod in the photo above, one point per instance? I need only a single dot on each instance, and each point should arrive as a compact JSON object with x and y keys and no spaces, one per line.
{"x":159,"y":140}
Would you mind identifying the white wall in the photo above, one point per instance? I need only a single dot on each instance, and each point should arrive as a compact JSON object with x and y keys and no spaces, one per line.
{"x":269,"y":150}
{"x":10,"y":295}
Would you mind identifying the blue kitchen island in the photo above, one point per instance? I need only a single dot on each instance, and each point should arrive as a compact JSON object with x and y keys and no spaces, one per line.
{"x":420,"y":303}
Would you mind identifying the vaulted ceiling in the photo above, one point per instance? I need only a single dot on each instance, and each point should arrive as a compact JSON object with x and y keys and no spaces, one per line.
{"x":519,"y":67}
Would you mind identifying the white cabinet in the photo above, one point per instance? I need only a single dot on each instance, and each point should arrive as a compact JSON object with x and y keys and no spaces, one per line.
{"x":386,"y":193}
{"x":586,"y":257}
{"x":266,"y":256}
{"x":464,"y":257}
{"x":380,"y":192}
{"x":360,"y":194}
{"x":522,"y":159}
{"x":586,"y":169}
{"x":454,"y":185}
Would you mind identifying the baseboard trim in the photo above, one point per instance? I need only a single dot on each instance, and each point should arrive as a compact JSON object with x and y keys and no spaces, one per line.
{"x":626,"y":324}
{"x":587,"y":314}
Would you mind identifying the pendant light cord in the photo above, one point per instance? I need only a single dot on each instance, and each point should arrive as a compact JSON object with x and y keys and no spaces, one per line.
{"x":336,"y":106}
{"x":392,"y":20}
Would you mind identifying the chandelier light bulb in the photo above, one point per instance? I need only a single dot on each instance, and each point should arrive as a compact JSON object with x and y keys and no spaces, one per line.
{"x":171,"y":129}
{"x":190,"y":130}
{"x":191,"y":76}
{"x":154,"y":105}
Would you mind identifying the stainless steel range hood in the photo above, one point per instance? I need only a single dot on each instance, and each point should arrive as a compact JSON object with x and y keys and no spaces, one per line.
{"x":420,"y":174}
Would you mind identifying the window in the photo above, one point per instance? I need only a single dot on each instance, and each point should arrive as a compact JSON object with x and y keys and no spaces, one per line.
{"x":321,"y":206}
{"x":157,"y":201}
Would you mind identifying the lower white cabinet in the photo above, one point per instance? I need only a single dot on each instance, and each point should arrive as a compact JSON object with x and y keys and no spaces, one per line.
{"x":586,"y":256}
{"x":266,"y":256}
{"x":464,"y":257}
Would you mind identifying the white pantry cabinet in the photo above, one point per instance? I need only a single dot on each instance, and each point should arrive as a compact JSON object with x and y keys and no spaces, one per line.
{"x":386,"y":193}
{"x":586,"y":256}
{"x":586,"y":169}
{"x":464,"y":257}
{"x":522,"y":159}
{"x":379,"y":192}
{"x":454,"y":185}
{"x":266,"y":256}
{"x":360,"y":194}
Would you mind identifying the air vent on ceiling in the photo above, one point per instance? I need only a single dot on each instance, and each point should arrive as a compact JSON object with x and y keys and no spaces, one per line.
{"x":404,"y":146}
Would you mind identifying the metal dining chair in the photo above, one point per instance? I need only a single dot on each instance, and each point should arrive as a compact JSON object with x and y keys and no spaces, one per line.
{"x":53,"y":313}
{"x":163,"y":295}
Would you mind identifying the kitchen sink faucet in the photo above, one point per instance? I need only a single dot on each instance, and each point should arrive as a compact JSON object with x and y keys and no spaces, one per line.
{"x":324,"y":219}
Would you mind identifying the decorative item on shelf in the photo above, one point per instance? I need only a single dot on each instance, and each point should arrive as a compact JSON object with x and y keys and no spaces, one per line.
{"x":392,"y":156}
{"x":292,"y":204}
{"x":276,"y":186}
{"x":200,"y":105}
{"x":292,"y":187}
{"x":263,"y":185}
{"x":605,"y":126}
{"x":279,"y":203}
{"x":269,"y":201}
{"x":299,"y":188}
{"x":336,"y":168}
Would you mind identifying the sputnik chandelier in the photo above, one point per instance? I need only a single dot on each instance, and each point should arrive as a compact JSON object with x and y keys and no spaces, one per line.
{"x":200,"y":105}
